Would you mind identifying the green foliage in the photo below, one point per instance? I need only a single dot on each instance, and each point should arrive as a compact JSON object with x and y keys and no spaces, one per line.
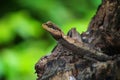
{"x":23,"y":40}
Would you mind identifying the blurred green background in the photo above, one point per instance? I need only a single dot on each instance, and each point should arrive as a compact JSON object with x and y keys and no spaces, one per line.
{"x":22,"y":39}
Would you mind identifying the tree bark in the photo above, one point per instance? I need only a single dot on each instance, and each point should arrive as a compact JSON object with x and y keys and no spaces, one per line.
{"x":92,"y":55}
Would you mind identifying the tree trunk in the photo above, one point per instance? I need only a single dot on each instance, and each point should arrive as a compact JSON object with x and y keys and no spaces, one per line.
{"x":92,"y":55}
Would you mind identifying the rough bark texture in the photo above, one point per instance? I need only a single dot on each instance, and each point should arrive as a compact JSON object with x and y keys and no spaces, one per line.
{"x":92,"y":55}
